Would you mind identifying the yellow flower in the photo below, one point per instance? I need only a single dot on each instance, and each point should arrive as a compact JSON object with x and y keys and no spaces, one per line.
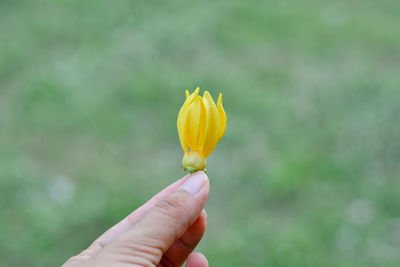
{"x":201,"y":124}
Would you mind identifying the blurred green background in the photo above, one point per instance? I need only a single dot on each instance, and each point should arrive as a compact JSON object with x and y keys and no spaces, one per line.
{"x":306,"y":175}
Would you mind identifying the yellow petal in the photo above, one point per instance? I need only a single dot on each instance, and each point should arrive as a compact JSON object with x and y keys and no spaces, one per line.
{"x":222,"y":117}
{"x":182,"y":117}
{"x":195,"y":122}
{"x":212,"y":126}
{"x":187,"y":93}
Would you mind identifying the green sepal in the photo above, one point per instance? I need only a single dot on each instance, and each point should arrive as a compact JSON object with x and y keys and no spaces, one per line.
{"x":190,"y":169}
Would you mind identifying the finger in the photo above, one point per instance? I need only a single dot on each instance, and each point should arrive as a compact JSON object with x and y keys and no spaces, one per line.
{"x":165,"y":223}
{"x":125,"y":224}
{"x":181,"y":248}
{"x":197,"y":260}
{"x":138,"y":214}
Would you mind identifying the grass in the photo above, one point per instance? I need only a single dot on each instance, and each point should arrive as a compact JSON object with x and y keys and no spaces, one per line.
{"x":307,"y":174}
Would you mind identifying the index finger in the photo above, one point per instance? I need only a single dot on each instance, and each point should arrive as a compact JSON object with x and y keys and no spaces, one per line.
{"x":138,"y":214}
{"x":129,"y":221}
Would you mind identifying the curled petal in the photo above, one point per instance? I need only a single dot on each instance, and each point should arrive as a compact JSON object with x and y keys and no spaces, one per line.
{"x":212,"y":126}
{"x":182,"y":117}
{"x":222,"y":117}
{"x":196,"y":120}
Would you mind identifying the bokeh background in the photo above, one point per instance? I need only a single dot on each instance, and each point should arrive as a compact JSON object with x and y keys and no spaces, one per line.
{"x":306,"y":175}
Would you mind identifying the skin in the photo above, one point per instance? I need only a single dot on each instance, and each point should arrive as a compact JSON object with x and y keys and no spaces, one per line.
{"x":162,"y":232}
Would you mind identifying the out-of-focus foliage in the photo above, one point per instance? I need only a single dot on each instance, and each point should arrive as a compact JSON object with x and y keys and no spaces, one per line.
{"x":306,"y":175}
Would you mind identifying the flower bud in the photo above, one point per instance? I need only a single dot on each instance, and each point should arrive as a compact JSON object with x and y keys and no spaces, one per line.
{"x":201,"y":124}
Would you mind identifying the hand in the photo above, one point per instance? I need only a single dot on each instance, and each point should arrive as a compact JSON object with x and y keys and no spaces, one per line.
{"x":162,"y":232}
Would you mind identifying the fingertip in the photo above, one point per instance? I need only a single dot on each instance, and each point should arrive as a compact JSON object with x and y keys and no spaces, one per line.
{"x":195,"y":182}
{"x":202,"y":220}
{"x":204,"y":214}
{"x":196,"y":259}
{"x":199,"y":226}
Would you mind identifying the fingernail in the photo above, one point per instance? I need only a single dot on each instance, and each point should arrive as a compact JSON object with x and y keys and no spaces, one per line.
{"x":194,"y":183}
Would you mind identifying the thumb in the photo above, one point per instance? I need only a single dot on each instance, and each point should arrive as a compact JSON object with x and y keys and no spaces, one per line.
{"x":168,"y":220}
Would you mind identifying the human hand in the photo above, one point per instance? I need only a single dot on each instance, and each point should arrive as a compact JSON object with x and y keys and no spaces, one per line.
{"x":162,"y":232}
